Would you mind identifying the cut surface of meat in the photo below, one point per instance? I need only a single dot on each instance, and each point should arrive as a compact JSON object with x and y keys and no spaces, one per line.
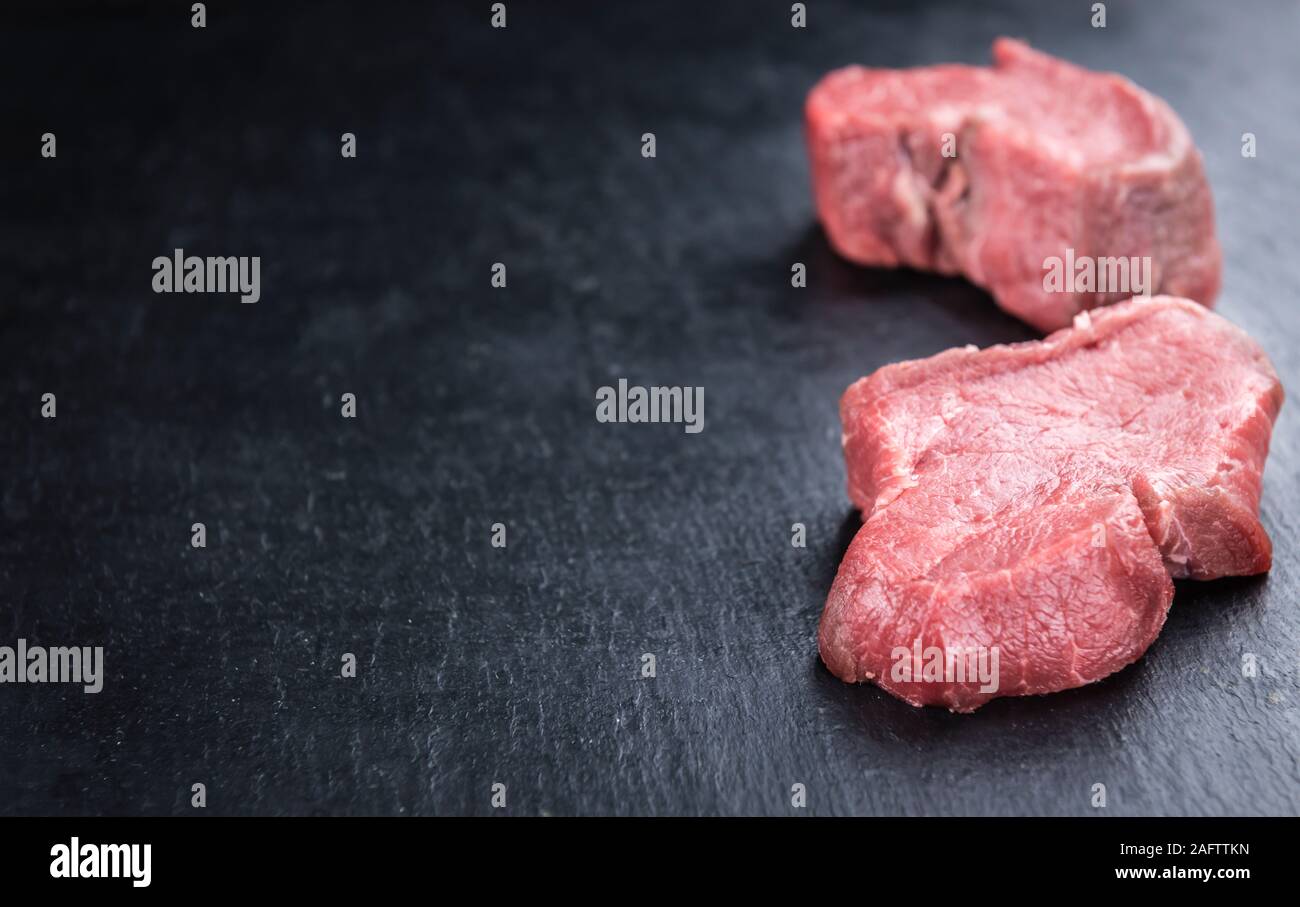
{"x":1034,"y":499}
{"x":993,"y":172}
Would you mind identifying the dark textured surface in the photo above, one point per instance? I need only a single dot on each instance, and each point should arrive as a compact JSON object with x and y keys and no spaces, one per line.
{"x":371,"y":536}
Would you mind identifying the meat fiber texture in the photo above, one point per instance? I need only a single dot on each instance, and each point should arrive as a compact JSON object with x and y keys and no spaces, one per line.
{"x":1048,"y":157}
{"x":1038,"y":497}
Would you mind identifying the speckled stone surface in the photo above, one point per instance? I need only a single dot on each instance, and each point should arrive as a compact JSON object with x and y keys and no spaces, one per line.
{"x":522,"y":665}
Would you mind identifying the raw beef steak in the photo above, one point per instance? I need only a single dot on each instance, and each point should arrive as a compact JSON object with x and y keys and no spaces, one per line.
{"x":1051,"y":160}
{"x":1035,"y":499}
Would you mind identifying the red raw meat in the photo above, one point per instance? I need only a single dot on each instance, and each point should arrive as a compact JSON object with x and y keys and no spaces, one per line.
{"x":1049,"y":157}
{"x":1037,"y":497}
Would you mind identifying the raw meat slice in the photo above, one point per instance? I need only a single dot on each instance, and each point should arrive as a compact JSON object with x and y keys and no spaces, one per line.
{"x":1037,"y":498}
{"x":1049,"y":157}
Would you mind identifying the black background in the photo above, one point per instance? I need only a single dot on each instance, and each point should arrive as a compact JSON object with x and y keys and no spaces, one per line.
{"x":476,"y":405}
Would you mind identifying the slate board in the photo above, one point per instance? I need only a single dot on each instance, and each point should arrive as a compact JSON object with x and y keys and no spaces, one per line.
{"x":522,"y":665}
